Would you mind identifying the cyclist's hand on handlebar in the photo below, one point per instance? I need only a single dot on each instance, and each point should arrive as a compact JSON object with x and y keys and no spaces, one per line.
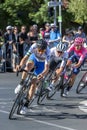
{"x":18,"y":67}
{"x":40,"y":76}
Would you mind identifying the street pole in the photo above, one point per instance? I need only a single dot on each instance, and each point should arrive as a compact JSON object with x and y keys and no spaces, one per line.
{"x":55,"y":13}
{"x":60,"y":18}
{"x":54,"y":4}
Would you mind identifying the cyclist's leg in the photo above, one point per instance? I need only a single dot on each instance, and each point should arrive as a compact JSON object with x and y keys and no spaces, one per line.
{"x":75,"y":73}
{"x":29,"y":66}
{"x":54,"y":65}
{"x":71,"y":60}
{"x":32,"y":88}
{"x":39,"y":67}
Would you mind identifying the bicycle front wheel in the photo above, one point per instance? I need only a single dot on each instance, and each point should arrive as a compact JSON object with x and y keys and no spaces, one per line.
{"x":15,"y":105}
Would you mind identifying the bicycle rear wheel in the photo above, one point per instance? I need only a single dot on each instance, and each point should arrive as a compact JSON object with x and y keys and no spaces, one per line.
{"x":82,"y":84}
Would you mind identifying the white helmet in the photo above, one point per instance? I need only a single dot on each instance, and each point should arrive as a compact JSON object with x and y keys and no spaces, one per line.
{"x":9,"y":27}
{"x":61,"y":47}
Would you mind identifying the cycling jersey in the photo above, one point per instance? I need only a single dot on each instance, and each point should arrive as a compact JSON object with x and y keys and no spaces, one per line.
{"x":63,"y":58}
{"x":81,"y":54}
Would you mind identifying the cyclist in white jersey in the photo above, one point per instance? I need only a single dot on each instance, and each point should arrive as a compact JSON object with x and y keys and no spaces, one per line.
{"x":59,"y":58}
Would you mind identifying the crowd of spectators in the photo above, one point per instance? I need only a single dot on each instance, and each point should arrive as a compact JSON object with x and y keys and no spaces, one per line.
{"x":15,"y":42}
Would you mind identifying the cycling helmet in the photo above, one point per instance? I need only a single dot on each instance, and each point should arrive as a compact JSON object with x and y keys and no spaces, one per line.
{"x":78,"y":41}
{"x":41,"y":44}
{"x":61,"y":47}
{"x":9,"y":27}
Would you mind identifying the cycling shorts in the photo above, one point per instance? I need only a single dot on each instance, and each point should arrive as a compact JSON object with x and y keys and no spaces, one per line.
{"x":53,"y":64}
{"x":39,"y":65}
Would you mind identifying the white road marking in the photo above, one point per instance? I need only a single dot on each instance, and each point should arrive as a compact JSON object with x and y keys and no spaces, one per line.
{"x":42,"y":122}
{"x":83,"y":106}
{"x":4,"y":99}
{"x":6,"y":88}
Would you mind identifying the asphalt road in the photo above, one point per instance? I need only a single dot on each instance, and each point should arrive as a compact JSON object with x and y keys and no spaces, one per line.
{"x":57,"y":114}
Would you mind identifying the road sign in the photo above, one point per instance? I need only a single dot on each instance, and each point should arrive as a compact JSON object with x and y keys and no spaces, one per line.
{"x":54,"y":4}
{"x":59,"y":18}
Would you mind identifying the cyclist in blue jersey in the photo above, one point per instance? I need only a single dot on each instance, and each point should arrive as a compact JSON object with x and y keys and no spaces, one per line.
{"x":38,"y":56}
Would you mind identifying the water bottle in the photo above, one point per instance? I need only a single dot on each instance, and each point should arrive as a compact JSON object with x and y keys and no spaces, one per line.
{"x":46,"y":84}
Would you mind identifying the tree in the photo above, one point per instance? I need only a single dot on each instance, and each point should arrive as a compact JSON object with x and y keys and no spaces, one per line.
{"x":19,"y":12}
{"x":79,"y":10}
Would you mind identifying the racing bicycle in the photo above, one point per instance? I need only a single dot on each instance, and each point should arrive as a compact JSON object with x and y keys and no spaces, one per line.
{"x":21,"y":97}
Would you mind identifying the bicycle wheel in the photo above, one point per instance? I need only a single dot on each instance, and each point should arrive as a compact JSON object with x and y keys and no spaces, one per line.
{"x":23,"y":99}
{"x":42,"y":94}
{"x":15,"y":104}
{"x":82,"y":84}
{"x":56,"y":88}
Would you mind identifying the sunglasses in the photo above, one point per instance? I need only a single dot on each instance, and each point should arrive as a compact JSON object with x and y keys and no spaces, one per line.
{"x":42,"y":51}
{"x":59,"y":52}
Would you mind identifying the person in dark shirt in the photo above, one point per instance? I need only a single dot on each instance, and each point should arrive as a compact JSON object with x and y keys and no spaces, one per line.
{"x":32,"y":35}
{"x":23,"y":38}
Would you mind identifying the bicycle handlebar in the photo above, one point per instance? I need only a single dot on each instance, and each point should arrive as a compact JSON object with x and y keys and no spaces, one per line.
{"x":22,"y":69}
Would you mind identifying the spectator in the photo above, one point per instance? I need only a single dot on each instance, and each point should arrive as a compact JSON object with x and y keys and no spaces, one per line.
{"x":54,"y":36}
{"x":9,"y":40}
{"x":23,"y":39}
{"x":46,"y":34}
{"x":1,"y":44}
{"x":16,"y":53}
{"x":32,"y":34}
{"x":68,"y":37}
{"x":41,"y":33}
{"x":80,"y":33}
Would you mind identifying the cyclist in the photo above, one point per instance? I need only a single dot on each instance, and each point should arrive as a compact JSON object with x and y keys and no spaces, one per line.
{"x":78,"y":58}
{"x":58,"y":61}
{"x":38,"y":56}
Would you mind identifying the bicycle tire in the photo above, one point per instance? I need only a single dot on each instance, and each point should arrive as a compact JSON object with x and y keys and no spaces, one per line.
{"x":82,"y":84}
{"x":57,"y":88}
{"x":23,"y":96}
{"x":15,"y":104}
{"x":42,"y":95}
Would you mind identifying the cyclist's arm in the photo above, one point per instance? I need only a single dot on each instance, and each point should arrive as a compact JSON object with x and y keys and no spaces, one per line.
{"x":59,"y":71}
{"x":23,"y":61}
{"x":79,"y":62}
{"x":63,"y":64}
{"x":61,"y":68}
{"x":71,"y":48}
{"x":46,"y":69}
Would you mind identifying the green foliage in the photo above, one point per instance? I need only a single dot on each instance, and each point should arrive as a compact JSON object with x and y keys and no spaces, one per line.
{"x":79,"y":10}
{"x":20,"y":12}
